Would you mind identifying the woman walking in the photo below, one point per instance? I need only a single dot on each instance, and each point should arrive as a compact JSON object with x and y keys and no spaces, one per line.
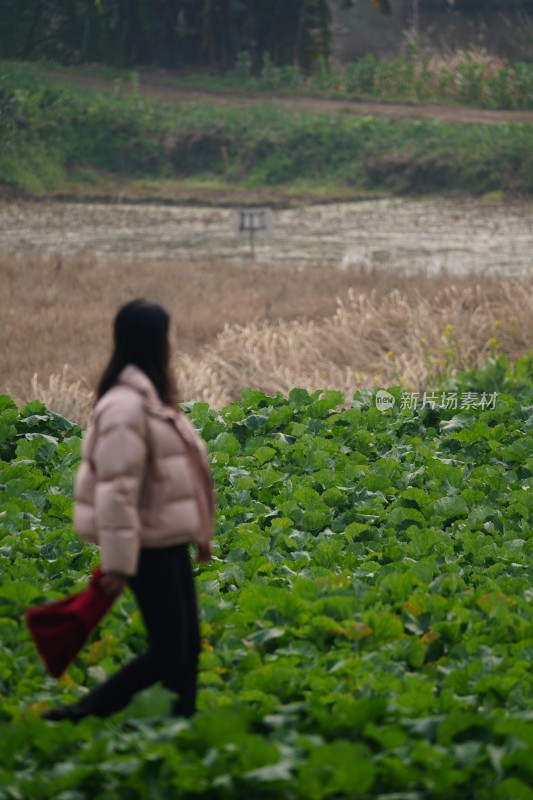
{"x":143,"y":493}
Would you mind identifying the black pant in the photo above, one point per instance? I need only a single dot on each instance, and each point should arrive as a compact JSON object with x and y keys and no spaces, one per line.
{"x":165,"y":591}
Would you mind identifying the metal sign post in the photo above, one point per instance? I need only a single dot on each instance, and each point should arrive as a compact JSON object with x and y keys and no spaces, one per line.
{"x":252,"y":222}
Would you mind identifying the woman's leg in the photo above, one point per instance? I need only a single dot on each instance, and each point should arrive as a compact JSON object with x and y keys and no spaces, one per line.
{"x":166,"y":594}
{"x":165,"y":591}
{"x":116,"y":692}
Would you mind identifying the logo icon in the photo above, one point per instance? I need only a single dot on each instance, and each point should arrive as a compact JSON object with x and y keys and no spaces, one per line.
{"x":384,"y":400}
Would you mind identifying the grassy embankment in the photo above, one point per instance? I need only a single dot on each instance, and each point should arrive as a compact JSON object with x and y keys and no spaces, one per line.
{"x":475,"y":79}
{"x":60,"y":140}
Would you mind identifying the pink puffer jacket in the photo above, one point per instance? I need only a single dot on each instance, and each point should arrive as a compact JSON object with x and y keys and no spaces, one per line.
{"x":144,"y":479}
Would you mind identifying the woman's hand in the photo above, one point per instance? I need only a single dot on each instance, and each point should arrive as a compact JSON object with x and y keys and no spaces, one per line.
{"x":204,"y":551}
{"x":113,"y":583}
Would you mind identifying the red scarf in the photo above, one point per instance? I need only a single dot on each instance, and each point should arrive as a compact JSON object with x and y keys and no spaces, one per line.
{"x":60,"y":629}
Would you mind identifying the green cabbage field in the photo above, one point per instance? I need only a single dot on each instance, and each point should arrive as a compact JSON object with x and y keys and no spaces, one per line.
{"x":367,"y":620}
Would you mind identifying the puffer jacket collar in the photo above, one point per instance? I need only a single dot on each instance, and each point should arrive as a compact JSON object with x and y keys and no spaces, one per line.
{"x":136,"y":379}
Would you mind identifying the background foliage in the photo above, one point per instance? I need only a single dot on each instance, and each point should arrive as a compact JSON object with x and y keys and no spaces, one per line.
{"x":53,"y":134}
{"x":203,"y":33}
{"x":171,"y":33}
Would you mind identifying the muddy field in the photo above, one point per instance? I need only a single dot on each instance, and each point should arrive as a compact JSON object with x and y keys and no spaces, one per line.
{"x":459,"y":236}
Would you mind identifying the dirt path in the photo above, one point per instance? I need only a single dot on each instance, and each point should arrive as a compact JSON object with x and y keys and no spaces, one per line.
{"x":167,"y":90}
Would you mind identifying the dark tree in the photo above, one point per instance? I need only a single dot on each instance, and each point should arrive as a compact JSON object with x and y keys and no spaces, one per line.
{"x":171,"y":33}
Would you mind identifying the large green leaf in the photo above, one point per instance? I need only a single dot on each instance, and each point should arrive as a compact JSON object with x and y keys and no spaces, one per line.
{"x":337,"y":768}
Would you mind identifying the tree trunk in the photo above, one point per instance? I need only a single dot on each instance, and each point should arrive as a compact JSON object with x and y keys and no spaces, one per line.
{"x":33,"y":27}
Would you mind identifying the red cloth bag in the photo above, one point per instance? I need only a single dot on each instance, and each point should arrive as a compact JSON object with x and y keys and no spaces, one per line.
{"x":60,"y":629}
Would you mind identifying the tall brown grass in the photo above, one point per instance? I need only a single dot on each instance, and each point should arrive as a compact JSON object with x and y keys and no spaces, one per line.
{"x":273,"y":327}
{"x":74,"y":398}
{"x":58,"y":309}
{"x":398,"y":338}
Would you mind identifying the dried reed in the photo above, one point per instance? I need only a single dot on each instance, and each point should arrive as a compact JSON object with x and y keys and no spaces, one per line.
{"x":390,"y":339}
{"x":57,"y":309}
{"x":72,"y":398}
{"x":369,"y":341}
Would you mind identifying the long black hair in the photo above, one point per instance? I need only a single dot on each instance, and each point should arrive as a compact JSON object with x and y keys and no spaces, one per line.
{"x":141,"y":338}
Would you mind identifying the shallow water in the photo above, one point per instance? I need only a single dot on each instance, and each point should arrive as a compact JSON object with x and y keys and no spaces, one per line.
{"x":461,"y":236}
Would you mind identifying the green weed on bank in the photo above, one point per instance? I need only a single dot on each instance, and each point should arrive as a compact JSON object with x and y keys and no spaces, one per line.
{"x":412,"y":77}
{"x":54,"y":137}
{"x":367,"y":620}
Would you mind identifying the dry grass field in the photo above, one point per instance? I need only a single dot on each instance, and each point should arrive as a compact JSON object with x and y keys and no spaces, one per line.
{"x":272,"y":327}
